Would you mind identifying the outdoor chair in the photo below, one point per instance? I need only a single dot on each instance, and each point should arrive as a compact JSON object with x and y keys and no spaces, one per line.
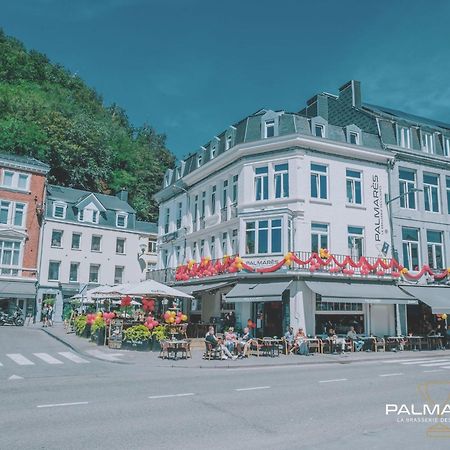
{"x":165,"y":348}
{"x":315,"y":346}
{"x":254,"y":347}
{"x":212,"y":352}
{"x":379,"y":344}
{"x":187,"y":348}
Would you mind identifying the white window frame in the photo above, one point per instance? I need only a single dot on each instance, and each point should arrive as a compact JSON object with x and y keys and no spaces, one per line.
{"x":71,"y":241}
{"x":269,"y":124}
{"x":409,"y":243}
{"x":77,"y":264}
{"x":121,"y":274}
{"x":100,"y":242}
{"x":356,"y":135}
{"x":125,"y":216}
{"x":15,"y":180}
{"x":320,"y":235}
{"x":11,"y":269}
{"x":352,"y":237}
{"x":446,"y":146}
{"x":228,"y":142}
{"x":124,"y":245}
{"x":428,"y":189}
{"x":263,"y":180}
{"x":281,"y":176}
{"x":98,"y":273}
{"x":353,"y":181}
{"x":317,"y":174}
{"x":59,"y":270}
{"x":11,"y":209}
{"x":403,"y":136}
{"x":270,"y":228}
{"x":407,"y":186}
{"x":321,"y":127}
{"x":59,"y":205}
{"x":427,"y":142}
{"x":212,"y":151}
{"x":432,"y":246}
{"x":61,"y":239}
{"x":199,"y":159}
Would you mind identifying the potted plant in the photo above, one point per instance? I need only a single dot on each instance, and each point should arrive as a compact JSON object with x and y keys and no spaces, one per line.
{"x":137,"y":337}
{"x":98,"y":331}
{"x":158,"y":334}
{"x":80,"y":325}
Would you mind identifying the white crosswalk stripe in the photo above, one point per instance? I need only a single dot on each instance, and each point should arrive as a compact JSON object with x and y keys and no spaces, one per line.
{"x":74,"y":358}
{"x":1,"y":364}
{"x":20,"y":359}
{"x":441,"y":363}
{"x":426,"y":362}
{"x":47,"y":358}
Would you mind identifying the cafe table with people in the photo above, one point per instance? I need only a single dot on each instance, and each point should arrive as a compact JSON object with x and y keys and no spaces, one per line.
{"x":239,"y":345}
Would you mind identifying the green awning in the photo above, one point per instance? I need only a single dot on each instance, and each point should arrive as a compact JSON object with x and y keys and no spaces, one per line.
{"x":17,"y":289}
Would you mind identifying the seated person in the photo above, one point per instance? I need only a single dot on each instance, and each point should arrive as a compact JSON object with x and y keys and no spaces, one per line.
{"x":336,"y":341}
{"x":357,"y":342}
{"x":301,"y":343}
{"x":289,"y":338}
{"x":212,"y":339}
{"x":230,"y":339}
{"x":244,"y":343}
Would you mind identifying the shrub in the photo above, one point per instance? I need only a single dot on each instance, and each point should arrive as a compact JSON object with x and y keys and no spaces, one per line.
{"x":160,"y":332}
{"x":80,"y":324}
{"x":98,"y":324}
{"x":137,"y":333}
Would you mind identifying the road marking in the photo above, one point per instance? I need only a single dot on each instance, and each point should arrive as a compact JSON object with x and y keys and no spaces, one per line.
{"x":15,"y":377}
{"x":429,"y":361}
{"x":432,"y":371}
{"x":390,"y":374}
{"x":48,"y":358}
{"x":74,"y":358}
{"x":392,"y":361}
{"x":1,"y":364}
{"x":171,"y":395}
{"x":333,"y":381}
{"x":61,"y":404}
{"x":436,"y":364}
{"x":20,"y":359}
{"x":255,"y":388}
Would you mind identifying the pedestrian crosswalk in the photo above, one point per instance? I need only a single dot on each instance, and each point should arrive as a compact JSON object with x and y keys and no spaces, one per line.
{"x":438,"y":363}
{"x":36,"y":358}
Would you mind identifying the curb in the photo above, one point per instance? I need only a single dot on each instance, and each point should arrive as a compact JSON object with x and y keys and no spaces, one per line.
{"x":302,"y":364}
{"x":87,"y":355}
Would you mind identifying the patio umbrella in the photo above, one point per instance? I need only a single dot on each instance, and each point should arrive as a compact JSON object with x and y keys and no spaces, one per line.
{"x":133,"y":302}
{"x":150,"y":288}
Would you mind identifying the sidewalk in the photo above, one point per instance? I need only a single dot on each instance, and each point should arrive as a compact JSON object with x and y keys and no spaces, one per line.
{"x":84,"y":347}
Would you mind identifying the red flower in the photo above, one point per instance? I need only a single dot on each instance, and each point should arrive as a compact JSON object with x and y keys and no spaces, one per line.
{"x":126,"y":301}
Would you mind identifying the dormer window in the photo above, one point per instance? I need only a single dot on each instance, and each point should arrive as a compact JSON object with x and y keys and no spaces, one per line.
{"x":59,"y":210}
{"x":269,"y":128}
{"x":353,"y":138}
{"x":228,"y":143}
{"x":121,"y":220}
{"x":88,"y":215}
{"x":446,"y":146}
{"x":178,"y":173}
{"x":404,"y":137}
{"x":319,"y":131}
{"x":427,"y":142}
{"x":213,"y":151}
{"x":199,"y":160}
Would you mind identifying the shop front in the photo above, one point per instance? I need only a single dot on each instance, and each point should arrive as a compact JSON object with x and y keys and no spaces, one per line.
{"x":18,"y":294}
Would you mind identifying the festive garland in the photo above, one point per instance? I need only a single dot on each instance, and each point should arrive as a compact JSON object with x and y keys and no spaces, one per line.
{"x":323,"y":260}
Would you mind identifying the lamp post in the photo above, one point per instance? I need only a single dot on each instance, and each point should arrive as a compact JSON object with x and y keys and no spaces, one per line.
{"x":388,"y":202}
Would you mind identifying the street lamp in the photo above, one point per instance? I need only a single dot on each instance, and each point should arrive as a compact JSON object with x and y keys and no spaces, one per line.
{"x":388,"y":202}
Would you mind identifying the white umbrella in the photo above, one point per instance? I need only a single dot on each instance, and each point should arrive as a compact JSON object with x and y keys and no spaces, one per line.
{"x":151,"y":288}
{"x":133,"y":302}
{"x":104,"y":291}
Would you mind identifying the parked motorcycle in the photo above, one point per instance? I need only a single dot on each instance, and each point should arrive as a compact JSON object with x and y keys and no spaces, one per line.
{"x":12,"y":319}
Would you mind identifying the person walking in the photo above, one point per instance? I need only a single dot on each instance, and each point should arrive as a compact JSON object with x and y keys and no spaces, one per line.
{"x":50,"y":316}
{"x":44,"y":315}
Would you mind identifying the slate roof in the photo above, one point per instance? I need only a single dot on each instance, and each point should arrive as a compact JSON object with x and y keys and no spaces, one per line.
{"x":26,"y":160}
{"x":400,"y":115}
{"x":147,"y":227}
{"x":73,"y":196}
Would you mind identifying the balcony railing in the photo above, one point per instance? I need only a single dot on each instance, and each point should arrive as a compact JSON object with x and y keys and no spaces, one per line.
{"x":233,"y":212}
{"x":224,"y":214}
{"x":168,"y":275}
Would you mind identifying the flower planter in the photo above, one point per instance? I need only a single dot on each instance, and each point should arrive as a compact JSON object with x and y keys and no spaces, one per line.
{"x":87,"y":331}
{"x":142,"y":346}
{"x":156,"y":346}
{"x":99,"y":337}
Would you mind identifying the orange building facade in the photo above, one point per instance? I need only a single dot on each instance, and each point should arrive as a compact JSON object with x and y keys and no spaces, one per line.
{"x":22,"y":197}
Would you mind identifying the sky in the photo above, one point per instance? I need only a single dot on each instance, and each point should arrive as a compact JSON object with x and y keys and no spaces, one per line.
{"x":191,"y":68}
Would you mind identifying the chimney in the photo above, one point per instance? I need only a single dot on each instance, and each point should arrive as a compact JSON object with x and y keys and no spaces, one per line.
{"x":317,"y":106}
{"x":350,"y":93}
{"x":123,"y":194}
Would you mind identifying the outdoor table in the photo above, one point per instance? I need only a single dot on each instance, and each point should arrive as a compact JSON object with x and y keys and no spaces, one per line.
{"x":174,"y":346}
{"x":394,"y":342}
{"x":414,"y":341}
{"x":271,"y":346}
{"x":434,"y":341}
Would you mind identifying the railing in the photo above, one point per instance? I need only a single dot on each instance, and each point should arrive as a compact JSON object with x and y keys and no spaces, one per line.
{"x":168,"y":275}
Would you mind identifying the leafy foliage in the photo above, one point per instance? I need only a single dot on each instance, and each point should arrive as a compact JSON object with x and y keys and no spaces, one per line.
{"x":137,"y":333}
{"x":50,"y":114}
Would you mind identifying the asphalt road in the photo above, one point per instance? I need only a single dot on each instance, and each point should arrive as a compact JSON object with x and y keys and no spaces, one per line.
{"x":99,"y":404}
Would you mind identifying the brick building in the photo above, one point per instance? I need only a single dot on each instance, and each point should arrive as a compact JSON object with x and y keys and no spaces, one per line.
{"x":22,"y":192}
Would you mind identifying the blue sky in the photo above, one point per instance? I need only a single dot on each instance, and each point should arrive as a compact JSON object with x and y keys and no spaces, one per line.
{"x":190,"y":68}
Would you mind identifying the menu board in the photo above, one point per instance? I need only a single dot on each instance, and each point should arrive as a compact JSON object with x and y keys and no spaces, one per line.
{"x":115,"y":333}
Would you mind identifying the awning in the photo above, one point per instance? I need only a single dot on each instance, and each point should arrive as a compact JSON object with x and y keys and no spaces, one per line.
{"x":438,"y":297}
{"x":360,"y":293}
{"x":196,"y":288}
{"x":252,"y":291}
{"x":17,"y":289}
